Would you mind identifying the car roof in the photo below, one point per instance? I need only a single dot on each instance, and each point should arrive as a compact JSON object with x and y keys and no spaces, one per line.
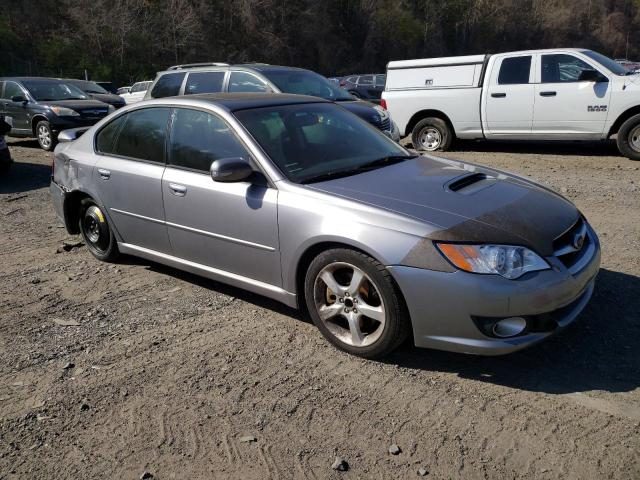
{"x":239,"y":101}
{"x":260,"y":67}
{"x":32,"y":79}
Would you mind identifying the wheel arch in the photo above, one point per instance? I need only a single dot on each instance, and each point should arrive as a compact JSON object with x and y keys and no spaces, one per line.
{"x":71,"y":208}
{"x":37,"y":118}
{"x":313,"y":250}
{"x":623,"y":117}
{"x":422,"y":114}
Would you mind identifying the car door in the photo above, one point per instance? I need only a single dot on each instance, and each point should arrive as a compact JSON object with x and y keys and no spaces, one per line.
{"x":128,"y":175}
{"x":565,"y":105}
{"x":227,"y":226}
{"x":509,"y":97}
{"x":16,"y":113}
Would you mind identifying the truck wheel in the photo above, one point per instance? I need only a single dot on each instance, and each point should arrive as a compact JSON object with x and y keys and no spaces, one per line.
{"x":46,"y":138}
{"x":431,"y":134}
{"x":629,"y":138}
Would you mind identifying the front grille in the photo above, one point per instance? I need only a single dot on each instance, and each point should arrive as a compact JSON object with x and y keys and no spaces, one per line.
{"x":383,"y":124}
{"x":97,"y":112}
{"x":575,"y":247}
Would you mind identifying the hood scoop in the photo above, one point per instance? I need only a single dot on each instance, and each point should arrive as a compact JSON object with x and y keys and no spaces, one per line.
{"x":471,"y":183}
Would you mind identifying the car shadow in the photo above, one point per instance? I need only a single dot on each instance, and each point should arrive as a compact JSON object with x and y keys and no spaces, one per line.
{"x":598,"y":352}
{"x":24,"y":177}
{"x":565,"y":148}
{"x":23,"y":142}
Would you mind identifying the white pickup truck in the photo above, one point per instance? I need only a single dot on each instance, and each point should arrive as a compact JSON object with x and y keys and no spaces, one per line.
{"x":559,"y":94}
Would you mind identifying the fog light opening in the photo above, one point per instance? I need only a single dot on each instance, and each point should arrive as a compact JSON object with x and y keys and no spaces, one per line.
{"x":509,"y":327}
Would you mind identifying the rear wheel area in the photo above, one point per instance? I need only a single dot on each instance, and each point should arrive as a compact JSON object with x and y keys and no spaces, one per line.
{"x":96,"y":232}
{"x":46,"y":138}
{"x":431,"y":134}
{"x":629,"y":138}
{"x":355,"y":303}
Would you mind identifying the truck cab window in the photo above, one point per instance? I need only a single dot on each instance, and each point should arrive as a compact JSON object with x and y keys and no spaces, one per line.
{"x":562,"y":68}
{"x":514,"y":70}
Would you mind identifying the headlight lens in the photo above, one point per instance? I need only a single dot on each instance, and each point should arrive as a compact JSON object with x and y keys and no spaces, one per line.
{"x":64,"y":112}
{"x":509,"y":261}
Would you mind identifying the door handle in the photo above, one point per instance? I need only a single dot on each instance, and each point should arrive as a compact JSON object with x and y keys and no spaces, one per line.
{"x":498,"y":95}
{"x":104,"y":173}
{"x":548,"y":94}
{"x":178,"y":190}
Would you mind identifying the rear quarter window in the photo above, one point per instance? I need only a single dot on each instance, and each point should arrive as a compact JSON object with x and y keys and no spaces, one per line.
{"x":204,"y":82}
{"x":168,"y":85}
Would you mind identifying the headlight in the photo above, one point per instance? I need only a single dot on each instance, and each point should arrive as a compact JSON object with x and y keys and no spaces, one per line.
{"x":64,"y":112}
{"x":506,"y":260}
{"x":381,"y":111}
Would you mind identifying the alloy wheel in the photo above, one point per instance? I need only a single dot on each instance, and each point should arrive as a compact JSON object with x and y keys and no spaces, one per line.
{"x":349,"y":304}
{"x":44,"y":136}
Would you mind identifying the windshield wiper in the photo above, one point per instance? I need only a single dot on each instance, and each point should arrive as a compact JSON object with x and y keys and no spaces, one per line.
{"x":365,"y":167}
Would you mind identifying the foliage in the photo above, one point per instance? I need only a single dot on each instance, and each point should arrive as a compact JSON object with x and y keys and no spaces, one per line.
{"x":129,"y":40}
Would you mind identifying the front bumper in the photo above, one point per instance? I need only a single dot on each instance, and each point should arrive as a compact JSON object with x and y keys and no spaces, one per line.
{"x":393,"y":133}
{"x":64,"y":123}
{"x":442,"y":305}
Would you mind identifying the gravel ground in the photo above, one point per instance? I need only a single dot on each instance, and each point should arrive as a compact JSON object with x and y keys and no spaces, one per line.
{"x":111,"y":371}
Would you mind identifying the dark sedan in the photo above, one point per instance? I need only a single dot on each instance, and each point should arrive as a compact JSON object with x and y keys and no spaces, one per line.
{"x":367,"y":87}
{"x":96,"y":92}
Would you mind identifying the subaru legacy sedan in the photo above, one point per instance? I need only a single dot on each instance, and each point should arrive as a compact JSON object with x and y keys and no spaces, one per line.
{"x":297,"y":199}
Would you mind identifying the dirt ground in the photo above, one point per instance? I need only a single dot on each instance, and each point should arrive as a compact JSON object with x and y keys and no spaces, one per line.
{"x":110,"y":371}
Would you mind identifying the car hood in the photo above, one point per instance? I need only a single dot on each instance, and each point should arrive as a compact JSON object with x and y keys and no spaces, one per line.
{"x":78,"y":105}
{"x":463,"y":202}
{"x":364,"y":110}
{"x":111,"y":99}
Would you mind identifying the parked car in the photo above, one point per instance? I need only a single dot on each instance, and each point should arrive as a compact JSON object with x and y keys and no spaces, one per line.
{"x":368,"y":87}
{"x":5,"y":155}
{"x":122,"y":90}
{"x":137,"y":92}
{"x":263,"y":78}
{"x":96,"y":92}
{"x":297,"y":199}
{"x":557,"y":94}
{"x":108,"y":86}
{"x":41,"y":107}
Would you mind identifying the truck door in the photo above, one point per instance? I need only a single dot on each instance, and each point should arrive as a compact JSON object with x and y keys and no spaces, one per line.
{"x":508,"y":99}
{"x":566,"y":106}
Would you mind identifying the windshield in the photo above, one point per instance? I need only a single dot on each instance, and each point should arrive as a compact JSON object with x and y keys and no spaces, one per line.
{"x":43,"y":90}
{"x":611,"y":65}
{"x":89,"y":87}
{"x":319,"y":141}
{"x":304,"y":82}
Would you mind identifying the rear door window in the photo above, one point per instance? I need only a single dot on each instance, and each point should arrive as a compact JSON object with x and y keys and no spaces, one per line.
{"x":246,"y":82}
{"x":366,"y":80}
{"x":204,"y":82}
{"x":198,"y":138}
{"x":515,"y":70}
{"x":143,"y":135}
{"x":167,"y":85}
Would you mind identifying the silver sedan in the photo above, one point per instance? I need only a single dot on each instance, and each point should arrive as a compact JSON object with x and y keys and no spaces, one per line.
{"x":299,"y":200}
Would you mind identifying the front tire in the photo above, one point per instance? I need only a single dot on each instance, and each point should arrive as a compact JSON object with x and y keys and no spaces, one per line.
{"x":431,"y":134}
{"x":355,"y":303}
{"x":96,"y":232}
{"x":629,"y":138}
{"x":46,"y":138}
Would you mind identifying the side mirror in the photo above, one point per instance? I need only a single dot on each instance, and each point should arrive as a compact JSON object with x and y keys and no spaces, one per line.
{"x":591,"y":76}
{"x":19,"y":99}
{"x":71,"y":134}
{"x":234,"y":169}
